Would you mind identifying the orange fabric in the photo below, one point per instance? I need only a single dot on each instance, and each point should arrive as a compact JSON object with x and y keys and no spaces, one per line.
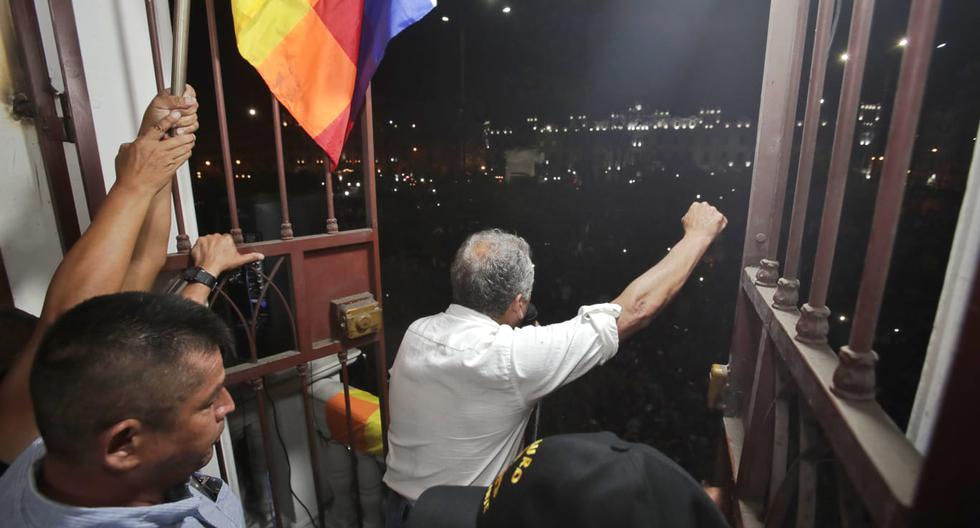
{"x":293,"y":71}
{"x":365,"y":421}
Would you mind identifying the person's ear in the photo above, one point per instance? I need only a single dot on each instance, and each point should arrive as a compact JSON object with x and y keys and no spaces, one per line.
{"x":518,"y":308}
{"x":121,"y":445}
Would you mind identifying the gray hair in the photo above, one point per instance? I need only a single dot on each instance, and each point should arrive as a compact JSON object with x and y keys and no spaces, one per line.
{"x":490,"y":269}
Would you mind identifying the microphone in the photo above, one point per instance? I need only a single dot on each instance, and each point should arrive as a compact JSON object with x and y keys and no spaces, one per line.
{"x":530,"y":316}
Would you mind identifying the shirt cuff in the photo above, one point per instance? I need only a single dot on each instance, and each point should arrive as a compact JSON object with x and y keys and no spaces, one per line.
{"x":603,"y":318}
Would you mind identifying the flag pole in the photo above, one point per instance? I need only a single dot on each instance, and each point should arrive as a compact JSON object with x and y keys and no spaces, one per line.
{"x":182,"y":18}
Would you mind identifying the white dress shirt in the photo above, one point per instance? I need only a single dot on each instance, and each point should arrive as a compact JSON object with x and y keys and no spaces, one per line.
{"x":463,"y":387}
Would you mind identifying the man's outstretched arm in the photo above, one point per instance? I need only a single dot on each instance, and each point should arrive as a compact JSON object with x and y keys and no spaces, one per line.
{"x":95,"y":265}
{"x":150,"y":251}
{"x":652,"y":290}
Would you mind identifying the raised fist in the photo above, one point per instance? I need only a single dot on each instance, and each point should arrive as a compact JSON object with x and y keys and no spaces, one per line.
{"x":703,"y":219}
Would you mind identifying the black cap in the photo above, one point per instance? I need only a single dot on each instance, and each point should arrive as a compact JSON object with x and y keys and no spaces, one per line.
{"x":592,"y":480}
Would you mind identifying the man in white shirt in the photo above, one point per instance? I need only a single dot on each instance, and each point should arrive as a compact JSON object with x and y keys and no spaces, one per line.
{"x":464,"y":381}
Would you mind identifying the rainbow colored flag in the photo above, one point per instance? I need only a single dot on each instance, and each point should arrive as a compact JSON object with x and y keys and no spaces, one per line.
{"x":318,"y":56}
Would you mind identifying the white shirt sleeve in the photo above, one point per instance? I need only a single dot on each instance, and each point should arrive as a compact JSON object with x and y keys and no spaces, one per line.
{"x":546,"y":357}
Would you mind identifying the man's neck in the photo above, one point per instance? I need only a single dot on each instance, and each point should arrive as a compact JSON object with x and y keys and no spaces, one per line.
{"x":68,"y":484}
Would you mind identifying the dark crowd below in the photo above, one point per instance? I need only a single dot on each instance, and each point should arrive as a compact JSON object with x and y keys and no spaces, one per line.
{"x":589,"y":240}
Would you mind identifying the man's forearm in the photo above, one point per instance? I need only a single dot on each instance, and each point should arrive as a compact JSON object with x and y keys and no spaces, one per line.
{"x":654,"y":289}
{"x":93,"y":266}
{"x":150,"y":252}
{"x":97,"y":263}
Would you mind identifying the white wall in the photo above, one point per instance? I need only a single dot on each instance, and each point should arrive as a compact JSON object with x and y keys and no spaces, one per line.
{"x":114,"y":40}
{"x":964,"y":257}
{"x":28,"y":233}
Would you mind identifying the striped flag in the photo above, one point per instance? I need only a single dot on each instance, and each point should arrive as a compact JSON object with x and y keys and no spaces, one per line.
{"x":318,"y":56}
{"x":365,"y":434}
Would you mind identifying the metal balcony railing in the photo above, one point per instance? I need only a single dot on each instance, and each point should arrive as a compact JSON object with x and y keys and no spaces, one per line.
{"x":792,"y":402}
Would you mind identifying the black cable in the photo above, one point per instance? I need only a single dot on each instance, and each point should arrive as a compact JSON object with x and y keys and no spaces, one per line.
{"x":289,"y":469}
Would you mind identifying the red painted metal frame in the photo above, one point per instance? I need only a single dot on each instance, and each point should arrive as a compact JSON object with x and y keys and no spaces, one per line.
{"x":258,"y":387}
{"x":78,"y":111}
{"x":789,"y":119}
{"x":921,"y":33}
{"x":768,"y":183}
{"x":50,"y":127}
{"x":349,"y":425}
{"x":752,"y":475}
{"x":369,"y":175}
{"x":808,"y":142}
{"x":331,"y":225}
{"x":880,"y":473}
{"x":219,"y":94}
{"x":183,"y":242}
{"x":857,"y":49}
{"x":305,"y":379}
{"x":881,"y":462}
{"x":286,"y":227}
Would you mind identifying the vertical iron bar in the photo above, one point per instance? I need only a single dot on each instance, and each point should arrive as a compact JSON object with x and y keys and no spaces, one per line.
{"x":151,"y":23}
{"x":849,"y":506}
{"x":780,"y":433}
{"x":78,"y":110}
{"x":178,"y":69}
{"x":806,"y":502}
{"x":369,"y":173}
{"x":787,"y":294}
{"x":763,"y":226}
{"x":328,"y":182}
{"x":756,"y":457}
{"x":183,"y":241}
{"x":355,"y":481}
{"x":768,"y":272}
{"x":305,"y":379}
{"x":855,"y":375}
{"x":286,"y":228}
{"x":742,"y":353}
{"x":219,"y":95}
{"x":812,"y":326}
{"x":381,"y":372}
{"x":50,"y":130}
{"x":257,"y":386}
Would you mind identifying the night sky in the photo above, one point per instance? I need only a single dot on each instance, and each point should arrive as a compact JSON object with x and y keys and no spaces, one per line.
{"x":552,"y":59}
